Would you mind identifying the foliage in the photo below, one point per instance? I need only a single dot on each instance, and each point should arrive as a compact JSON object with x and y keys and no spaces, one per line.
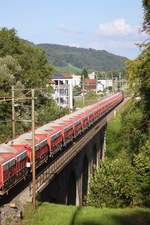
{"x":142,"y":167}
{"x":9,"y":73}
{"x":113,"y":133}
{"x":112,"y":74}
{"x":91,"y":94}
{"x":113,"y":185}
{"x":76,"y":90}
{"x":50,"y":112}
{"x":146,"y":23}
{"x":67,"y":69}
{"x":89,"y":98}
{"x":25,"y":66}
{"x":94,"y":60}
{"x":139,"y":79}
{"x":131,"y":155}
{"x":84,"y":73}
{"x":128,"y":129}
{"x":133,"y":128}
{"x":32,"y":62}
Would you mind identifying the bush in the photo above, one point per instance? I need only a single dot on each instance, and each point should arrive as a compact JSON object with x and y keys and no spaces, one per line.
{"x":114,"y":184}
{"x":141,"y":163}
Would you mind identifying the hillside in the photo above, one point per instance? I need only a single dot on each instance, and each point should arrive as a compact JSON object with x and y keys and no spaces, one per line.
{"x":72,"y":58}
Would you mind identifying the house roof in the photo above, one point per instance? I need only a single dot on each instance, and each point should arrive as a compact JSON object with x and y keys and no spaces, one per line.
{"x":62,"y":76}
{"x":90,"y":81}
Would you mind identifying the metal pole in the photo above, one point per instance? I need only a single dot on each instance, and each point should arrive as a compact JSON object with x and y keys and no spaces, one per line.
{"x":83,"y":89}
{"x":96,"y":83}
{"x":112,"y":84}
{"x":33,"y":154}
{"x":59,"y":92}
{"x":13,"y":113}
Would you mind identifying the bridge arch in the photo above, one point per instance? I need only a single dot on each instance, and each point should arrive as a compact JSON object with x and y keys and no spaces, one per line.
{"x":85,"y":179}
{"x":71,"y":193}
{"x":95,"y":154}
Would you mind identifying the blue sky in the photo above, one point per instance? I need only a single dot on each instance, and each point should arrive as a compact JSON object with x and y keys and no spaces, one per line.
{"x":110,"y":25}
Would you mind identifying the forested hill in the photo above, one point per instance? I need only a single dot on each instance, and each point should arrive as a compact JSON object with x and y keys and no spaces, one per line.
{"x":77,"y":58}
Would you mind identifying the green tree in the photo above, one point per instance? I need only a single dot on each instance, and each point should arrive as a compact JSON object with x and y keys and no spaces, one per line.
{"x":36,"y":71}
{"x":113,"y":185}
{"x":146,"y":23}
{"x":10,"y":71}
{"x":84,"y":73}
{"x":26,"y":66}
{"x":139,"y":79}
{"x":141,"y":163}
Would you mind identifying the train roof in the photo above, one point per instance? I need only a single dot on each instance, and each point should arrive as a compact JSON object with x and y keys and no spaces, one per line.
{"x":6,"y":158}
{"x":61,"y":122}
{"x":17,"y":152}
{"x":4,"y":148}
{"x":48,"y":132}
{"x":71,"y":116}
{"x":48,"y":127}
{"x":26,"y":139}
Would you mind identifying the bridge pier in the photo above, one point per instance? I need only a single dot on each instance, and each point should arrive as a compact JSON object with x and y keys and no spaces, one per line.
{"x":70,"y":186}
{"x":79,"y":191}
{"x":102,"y":145}
{"x":71,"y":196}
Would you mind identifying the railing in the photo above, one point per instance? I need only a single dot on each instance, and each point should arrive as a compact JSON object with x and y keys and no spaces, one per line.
{"x":44,"y":178}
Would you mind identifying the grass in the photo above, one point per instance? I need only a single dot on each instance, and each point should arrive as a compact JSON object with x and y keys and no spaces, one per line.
{"x":115,"y":124}
{"x":68,"y":69}
{"x":88,"y":100}
{"x":51,"y":214}
{"x":114,"y":140}
{"x":113,"y":133}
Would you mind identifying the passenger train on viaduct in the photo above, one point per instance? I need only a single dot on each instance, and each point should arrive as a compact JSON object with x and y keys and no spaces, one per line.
{"x":16,"y":155}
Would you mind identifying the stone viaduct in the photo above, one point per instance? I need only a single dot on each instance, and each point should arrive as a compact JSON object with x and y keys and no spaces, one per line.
{"x":70,"y":186}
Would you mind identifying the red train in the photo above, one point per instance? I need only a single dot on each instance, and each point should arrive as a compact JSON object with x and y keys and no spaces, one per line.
{"x":16,"y":155}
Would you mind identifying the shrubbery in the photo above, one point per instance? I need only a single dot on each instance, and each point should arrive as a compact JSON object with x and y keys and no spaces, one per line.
{"x":123,"y":178}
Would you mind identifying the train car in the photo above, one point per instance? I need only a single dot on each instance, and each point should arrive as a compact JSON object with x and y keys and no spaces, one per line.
{"x":16,"y":156}
{"x":13,"y":168}
{"x":95,"y":110}
{"x":84,"y":118}
{"x":77,"y":123}
{"x":90,"y":113}
{"x":53,"y":135}
{"x":108,"y":103}
{"x":41,"y":148}
{"x":67,"y":129}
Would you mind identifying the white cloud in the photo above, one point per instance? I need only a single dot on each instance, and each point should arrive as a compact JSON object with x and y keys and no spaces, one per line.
{"x":118,"y":27}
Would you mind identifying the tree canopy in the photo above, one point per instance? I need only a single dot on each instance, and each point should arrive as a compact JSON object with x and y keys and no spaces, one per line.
{"x":35,"y":70}
{"x":25,"y":66}
{"x":146,"y":23}
{"x":123,"y":179}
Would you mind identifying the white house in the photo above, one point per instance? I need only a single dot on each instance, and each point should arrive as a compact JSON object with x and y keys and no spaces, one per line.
{"x":102,"y":84}
{"x":63,"y":90}
{"x":76,"y":80}
{"x":92,"y":75}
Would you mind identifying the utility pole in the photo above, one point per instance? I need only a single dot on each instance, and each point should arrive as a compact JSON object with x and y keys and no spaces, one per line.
{"x":59,"y":93}
{"x":13,"y":113}
{"x":96,"y":83}
{"x":83,"y":100}
{"x":33,"y":153}
{"x":112,"y":83}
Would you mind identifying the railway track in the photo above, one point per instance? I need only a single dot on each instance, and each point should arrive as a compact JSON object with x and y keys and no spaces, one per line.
{"x":45,"y":176}
{"x":23,"y":194}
